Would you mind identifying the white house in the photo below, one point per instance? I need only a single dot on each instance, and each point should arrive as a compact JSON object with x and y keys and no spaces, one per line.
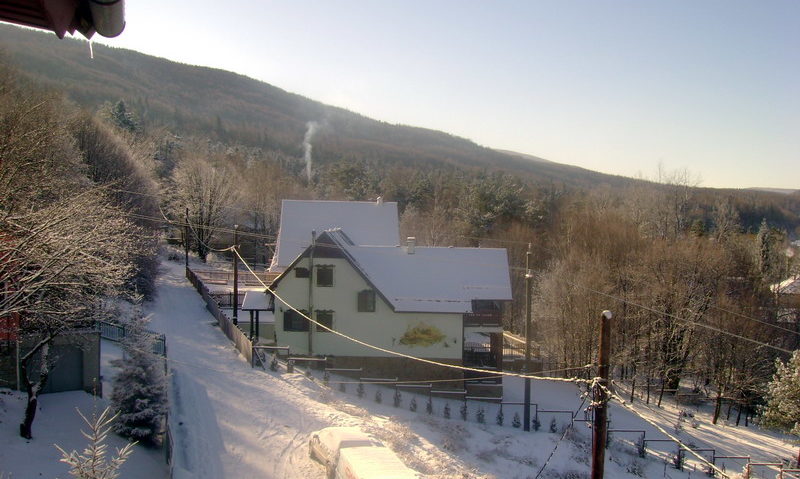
{"x":419,"y":301}
{"x":367,"y":223}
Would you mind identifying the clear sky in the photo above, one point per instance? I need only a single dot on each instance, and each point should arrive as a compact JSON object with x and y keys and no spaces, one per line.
{"x":618,"y":86}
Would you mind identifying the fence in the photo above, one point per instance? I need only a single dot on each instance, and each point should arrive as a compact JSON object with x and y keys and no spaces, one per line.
{"x":225,"y":277}
{"x":239,"y":339}
{"x":117,"y":332}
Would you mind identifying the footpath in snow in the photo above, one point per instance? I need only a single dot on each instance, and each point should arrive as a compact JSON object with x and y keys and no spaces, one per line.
{"x":229,"y":420}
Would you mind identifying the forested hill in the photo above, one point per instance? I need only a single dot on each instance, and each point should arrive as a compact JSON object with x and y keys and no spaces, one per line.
{"x":236,"y":109}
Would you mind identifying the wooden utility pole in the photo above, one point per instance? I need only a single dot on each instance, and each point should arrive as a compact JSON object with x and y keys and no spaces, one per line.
{"x":235,"y":275}
{"x":600,"y":400}
{"x":186,"y":238}
{"x":311,"y":291}
{"x":528,"y":277}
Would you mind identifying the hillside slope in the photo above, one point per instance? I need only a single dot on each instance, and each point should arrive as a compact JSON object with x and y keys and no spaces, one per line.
{"x":234,"y":108}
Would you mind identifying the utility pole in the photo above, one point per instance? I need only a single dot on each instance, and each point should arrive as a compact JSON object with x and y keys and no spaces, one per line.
{"x":600,"y":399}
{"x":312,"y":250}
{"x":186,"y":238}
{"x":235,"y":274}
{"x":528,"y":277}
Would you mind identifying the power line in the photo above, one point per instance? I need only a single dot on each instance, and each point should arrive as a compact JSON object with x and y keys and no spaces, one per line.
{"x":563,"y":435}
{"x":679,"y":319}
{"x":384,"y":350}
{"x":664,"y":432}
{"x":616,"y":298}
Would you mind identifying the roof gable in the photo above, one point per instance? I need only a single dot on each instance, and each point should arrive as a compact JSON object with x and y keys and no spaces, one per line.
{"x":367,"y":223}
{"x":431,"y":279}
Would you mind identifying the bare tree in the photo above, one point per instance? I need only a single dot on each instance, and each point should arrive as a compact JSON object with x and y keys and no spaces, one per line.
{"x":64,"y":244}
{"x":207,"y":191}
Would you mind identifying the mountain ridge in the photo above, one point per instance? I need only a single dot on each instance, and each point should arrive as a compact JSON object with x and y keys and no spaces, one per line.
{"x":235,"y":108}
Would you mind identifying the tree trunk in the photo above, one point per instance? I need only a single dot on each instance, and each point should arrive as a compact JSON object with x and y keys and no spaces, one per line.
{"x":717,"y":406}
{"x":33,"y":388}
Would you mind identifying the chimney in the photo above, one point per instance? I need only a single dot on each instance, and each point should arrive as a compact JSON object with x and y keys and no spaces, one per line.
{"x":410,"y":243}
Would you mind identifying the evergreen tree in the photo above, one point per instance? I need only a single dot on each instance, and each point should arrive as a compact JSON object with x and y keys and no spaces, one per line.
{"x":140,"y":393}
{"x":516,"y":422}
{"x":783,"y":396}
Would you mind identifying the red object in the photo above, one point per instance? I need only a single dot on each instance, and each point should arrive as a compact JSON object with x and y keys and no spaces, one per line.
{"x":9,"y":327}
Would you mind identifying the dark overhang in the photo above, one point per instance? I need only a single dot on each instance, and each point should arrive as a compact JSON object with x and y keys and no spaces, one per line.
{"x":104,"y":17}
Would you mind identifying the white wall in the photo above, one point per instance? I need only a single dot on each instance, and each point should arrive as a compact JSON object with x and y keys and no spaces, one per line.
{"x":382,"y":328}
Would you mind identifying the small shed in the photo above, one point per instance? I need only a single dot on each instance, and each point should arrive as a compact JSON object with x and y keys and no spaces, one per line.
{"x":255,"y":303}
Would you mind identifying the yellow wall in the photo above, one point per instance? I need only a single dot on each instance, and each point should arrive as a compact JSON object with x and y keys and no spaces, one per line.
{"x":382,"y":328}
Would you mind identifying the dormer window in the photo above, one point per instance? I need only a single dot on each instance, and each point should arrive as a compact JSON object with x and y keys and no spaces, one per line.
{"x":324,"y":275}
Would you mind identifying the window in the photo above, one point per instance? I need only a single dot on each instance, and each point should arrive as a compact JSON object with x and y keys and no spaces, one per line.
{"x":325,"y":275}
{"x":484,"y":306}
{"x":324,"y":318}
{"x":294,"y":321}
{"x":301,"y":272}
{"x":366,"y":301}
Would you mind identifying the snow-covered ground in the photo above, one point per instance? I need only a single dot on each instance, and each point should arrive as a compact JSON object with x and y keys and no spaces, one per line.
{"x":229,"y":420}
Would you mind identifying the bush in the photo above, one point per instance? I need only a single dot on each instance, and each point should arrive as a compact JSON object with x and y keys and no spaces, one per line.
{"x":515,"y":422}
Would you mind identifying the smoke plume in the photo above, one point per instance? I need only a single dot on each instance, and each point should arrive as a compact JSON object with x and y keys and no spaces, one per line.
{"x":311,"y":128}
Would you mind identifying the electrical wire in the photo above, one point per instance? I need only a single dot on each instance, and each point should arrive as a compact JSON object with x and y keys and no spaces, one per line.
{"x":563,"y":435}
{"x":610,"y":296}
{"x":679,"y":319}
{"x":388,"y":351}
{"x":670,"y":436}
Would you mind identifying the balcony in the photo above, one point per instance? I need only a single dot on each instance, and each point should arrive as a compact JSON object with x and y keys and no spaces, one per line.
{"x":489,"y":318}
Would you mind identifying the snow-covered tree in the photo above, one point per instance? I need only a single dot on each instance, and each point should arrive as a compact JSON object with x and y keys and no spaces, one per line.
{"x":783,"y":396}
{"x":140,"y":393}
{"x":92,"y":463}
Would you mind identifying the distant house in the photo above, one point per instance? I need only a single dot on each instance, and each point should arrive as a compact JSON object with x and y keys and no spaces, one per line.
{"x":367,"y":223}
{"x":787,"y":294}
{"x":419,"y":301}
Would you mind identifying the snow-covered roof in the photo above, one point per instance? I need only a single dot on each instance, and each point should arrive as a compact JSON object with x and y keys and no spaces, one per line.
{"x":255,"y":301}
{"x":787,"y":286}
{"x":432,"y":279}
{"x":366,"y":223}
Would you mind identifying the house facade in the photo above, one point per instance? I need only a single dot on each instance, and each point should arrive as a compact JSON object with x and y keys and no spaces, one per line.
{"x":416,"y":301}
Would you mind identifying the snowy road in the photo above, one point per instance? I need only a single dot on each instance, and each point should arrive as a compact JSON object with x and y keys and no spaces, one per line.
{"x":229,"y":420}
{"x":232,"y":421}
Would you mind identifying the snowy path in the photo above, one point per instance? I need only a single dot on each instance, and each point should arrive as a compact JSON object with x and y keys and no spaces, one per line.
{"x":228,"y":420}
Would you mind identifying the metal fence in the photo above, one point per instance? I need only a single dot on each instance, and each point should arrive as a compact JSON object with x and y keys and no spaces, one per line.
{"x":225,"y":323}
{"x":117,"y":332}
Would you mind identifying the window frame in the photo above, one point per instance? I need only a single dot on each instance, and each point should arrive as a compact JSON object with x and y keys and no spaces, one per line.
{"x":369,"y":295}
{"x":329,"y":312}
{"x":301,"y":272}
{"x":321,"y":272}
{"x":291,"y":321}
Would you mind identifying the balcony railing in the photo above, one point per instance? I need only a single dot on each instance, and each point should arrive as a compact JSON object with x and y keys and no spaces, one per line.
{"x":491,"y":318}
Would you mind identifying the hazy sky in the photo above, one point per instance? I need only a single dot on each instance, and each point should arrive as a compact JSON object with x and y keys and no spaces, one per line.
{"x":614,"y":86}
